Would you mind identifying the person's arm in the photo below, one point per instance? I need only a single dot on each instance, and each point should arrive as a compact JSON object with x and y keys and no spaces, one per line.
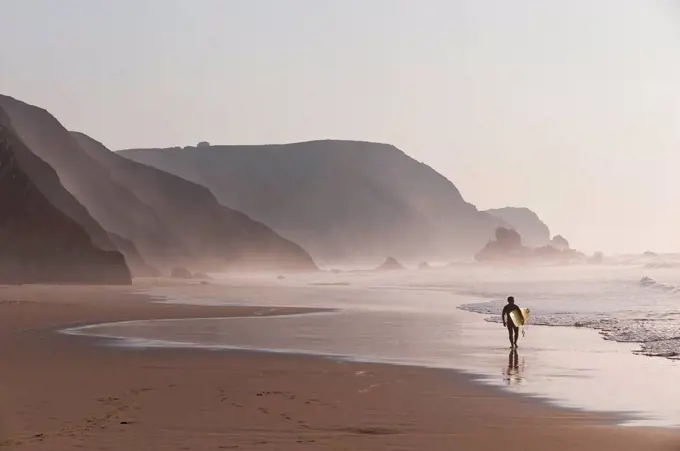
{"x":505,"y":312}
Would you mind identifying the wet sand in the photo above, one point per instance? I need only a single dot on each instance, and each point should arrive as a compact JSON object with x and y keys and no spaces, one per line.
{"x":62,"y":392}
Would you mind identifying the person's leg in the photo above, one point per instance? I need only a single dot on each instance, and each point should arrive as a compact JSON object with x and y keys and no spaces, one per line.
{"x":516,"y":333}
{"x":510,"y":326}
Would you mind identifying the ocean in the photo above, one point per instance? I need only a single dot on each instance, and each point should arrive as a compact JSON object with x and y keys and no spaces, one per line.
{"x":601,"y":338}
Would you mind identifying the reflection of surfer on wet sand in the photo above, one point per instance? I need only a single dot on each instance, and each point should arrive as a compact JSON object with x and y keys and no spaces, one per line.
{"x":513,"y":374}
{"x":513,"y":359}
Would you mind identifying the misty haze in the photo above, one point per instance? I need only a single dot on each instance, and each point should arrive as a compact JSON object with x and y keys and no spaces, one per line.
{"x":366,"y":225}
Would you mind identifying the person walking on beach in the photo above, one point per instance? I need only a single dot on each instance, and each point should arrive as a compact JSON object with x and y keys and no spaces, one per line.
{"x":513,"y":331}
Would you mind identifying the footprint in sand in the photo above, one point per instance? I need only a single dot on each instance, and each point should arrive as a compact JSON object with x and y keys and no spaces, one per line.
{"x":370,"y":430}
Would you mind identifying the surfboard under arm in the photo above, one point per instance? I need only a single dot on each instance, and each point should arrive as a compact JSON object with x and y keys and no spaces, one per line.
{"x":519,"y":317}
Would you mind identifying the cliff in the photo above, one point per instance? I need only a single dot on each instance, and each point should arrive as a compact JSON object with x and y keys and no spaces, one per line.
{"x":152,"y":217}
{"x":40,"y":243}
{"x":208,"y":235}
{"x":341,"y":200}
{"x":107,"y":205}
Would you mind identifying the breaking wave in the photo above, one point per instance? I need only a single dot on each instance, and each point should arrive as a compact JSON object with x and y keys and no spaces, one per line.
{"x":648,"y":282}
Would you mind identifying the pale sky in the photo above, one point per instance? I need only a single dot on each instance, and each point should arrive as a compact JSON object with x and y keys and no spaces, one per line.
{"x":571,"y":108}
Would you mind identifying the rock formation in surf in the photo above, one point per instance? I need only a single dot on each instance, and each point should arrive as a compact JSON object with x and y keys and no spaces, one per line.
{"x":560,"y":242}
{"x":508,"y":246}
{"x":390,"y":264}
{"x":596,"y":259}
{"x":151,"y":216}
{"x":535,"y":233}
{"x":40,"y":243}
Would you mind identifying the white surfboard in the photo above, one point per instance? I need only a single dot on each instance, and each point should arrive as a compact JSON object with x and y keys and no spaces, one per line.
{"x":519,"y":317}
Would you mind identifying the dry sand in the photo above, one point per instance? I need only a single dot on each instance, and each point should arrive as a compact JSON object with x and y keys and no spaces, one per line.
{"x":60,"y":392}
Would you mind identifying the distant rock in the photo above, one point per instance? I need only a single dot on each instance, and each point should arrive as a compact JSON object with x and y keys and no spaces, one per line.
{"x":558,"y":255}
{"x":559,"y":242}
{"x":39,"y":243}
{"x":201,"y":276}
{"x":597,"y":258}
{"x":180,"y":273}
{"x":650,"y":254}
{"x":424,"y":266}
{"x":203,"y":144}
{"x":647,"y":281}
{"x":390,"y":264}
{"x":534,"y":232}
{"x":508,"y":247}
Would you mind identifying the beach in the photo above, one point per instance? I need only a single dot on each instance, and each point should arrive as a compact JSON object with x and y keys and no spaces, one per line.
{"x":72,"y":392}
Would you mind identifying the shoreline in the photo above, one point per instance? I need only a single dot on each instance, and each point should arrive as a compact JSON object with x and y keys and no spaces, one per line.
{"x":566,"y":369}
{"x":102,"y":397}
{"x":600,"y":418}
{"x":148,"y":345}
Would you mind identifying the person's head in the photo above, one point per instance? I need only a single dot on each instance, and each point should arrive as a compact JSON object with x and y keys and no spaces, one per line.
{"x":511,"y":300}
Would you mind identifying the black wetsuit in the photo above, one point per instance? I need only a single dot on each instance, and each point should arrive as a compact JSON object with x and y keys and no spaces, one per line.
{"x":513,"y":331}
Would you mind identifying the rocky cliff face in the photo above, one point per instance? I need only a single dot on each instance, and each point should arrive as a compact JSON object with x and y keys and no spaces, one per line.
{"x":107,"y":205}
{"x":341,"y":200}
{"x":39,"y":243}
{"x":212,"y":235}
{"x":152,"y":217}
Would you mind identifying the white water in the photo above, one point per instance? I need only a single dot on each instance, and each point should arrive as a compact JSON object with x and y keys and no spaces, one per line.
{"x":432,"y":318}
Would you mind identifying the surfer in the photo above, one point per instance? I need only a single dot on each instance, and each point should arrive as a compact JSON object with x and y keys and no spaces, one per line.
{"x":513,"y":331}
